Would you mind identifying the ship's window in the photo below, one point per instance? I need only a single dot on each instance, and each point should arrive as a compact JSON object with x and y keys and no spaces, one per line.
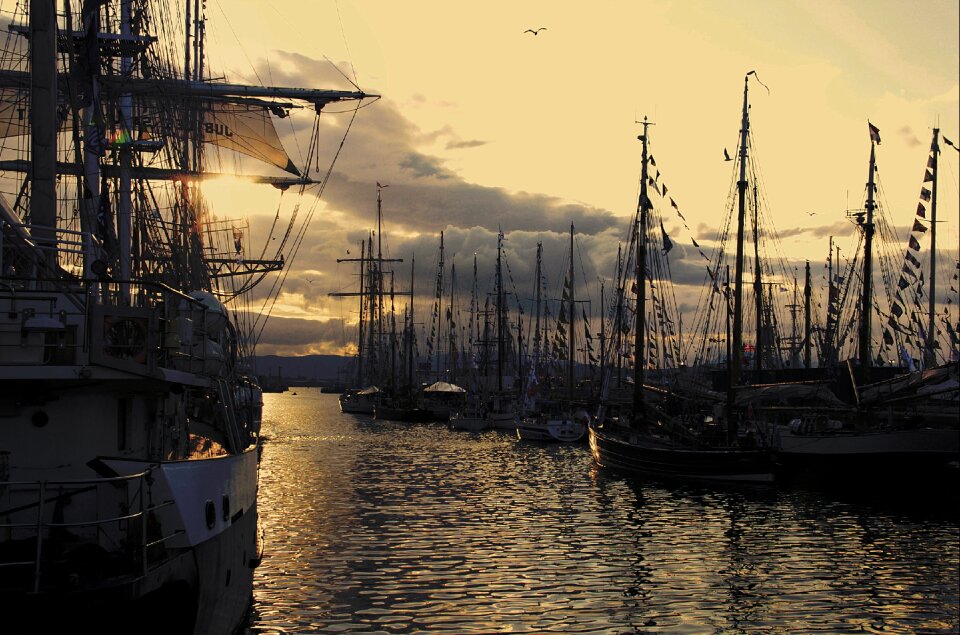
{"x":40,"y":418}
{"x":211,"y":514}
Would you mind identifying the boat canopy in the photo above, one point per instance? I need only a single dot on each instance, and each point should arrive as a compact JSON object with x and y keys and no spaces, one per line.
{"x":442,"y":386}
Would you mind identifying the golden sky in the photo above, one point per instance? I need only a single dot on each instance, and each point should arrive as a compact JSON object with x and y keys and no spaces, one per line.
{"x":482,"y":124}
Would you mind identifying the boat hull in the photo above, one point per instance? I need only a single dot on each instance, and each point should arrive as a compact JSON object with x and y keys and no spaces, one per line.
{"x":633,"y":454}
{"x":551,"y":430}
{"x":199,"y":579}
{"x":503,"y":420}
{"x":357,"y":404}
{"x":928,"y":457}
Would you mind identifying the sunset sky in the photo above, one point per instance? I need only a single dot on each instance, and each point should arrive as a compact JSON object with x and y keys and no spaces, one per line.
{"x":484,"y":126}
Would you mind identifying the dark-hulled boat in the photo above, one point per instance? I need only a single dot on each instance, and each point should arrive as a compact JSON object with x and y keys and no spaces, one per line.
{"x":652,"y":441}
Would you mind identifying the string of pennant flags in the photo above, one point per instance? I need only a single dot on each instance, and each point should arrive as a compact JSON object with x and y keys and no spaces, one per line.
{"x":911,"y":281}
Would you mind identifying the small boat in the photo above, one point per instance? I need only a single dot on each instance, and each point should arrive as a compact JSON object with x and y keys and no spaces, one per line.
{"x":469,"y":419}
{"x":360,"y":401}
{"x":442,"y":399}
{"x":564,"y":427}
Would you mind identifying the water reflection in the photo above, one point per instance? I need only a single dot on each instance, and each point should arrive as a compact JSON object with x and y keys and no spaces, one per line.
{"x":400,"y":528}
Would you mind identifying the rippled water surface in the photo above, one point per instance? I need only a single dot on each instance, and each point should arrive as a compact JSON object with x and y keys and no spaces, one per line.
{"x":378,"y":527}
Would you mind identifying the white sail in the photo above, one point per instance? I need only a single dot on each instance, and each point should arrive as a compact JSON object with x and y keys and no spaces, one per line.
{"x":248,"y":130}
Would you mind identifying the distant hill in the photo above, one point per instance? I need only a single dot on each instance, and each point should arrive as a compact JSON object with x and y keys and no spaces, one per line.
{"x":308,"y":369}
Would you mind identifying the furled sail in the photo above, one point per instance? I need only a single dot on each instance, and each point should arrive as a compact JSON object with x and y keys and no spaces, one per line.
{"x":246,"y":129}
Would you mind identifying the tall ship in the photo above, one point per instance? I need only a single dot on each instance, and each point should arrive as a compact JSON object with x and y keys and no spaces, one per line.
{"x":679,"y":426}
{"x":129,"y":406}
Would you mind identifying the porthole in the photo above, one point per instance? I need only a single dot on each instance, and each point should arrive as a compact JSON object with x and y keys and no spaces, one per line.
{"x":211,"y":513}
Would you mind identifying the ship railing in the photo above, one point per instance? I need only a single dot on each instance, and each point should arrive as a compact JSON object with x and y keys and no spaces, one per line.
{"x":36,"y":546}
{"x":67,"y":245}
{"x":36,"y":329}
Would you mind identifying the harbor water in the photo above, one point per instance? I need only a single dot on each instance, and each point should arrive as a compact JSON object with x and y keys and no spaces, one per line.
{"x":380,"y":527}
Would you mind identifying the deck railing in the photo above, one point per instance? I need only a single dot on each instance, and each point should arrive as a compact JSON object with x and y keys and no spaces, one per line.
{"x":123,"y":536}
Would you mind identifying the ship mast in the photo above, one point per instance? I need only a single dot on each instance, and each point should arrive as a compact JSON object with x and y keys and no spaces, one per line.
{"x":413,"y":263}
{"x":757,"y":289}
{"x":440,"y":309}
{"x":737,"y":328}
{"x":807,"y":289}
{"x":639,"y":336}
{"x":570,"y":333}
{"x":501,"y":316}
{"x":737,"y":353}
{"x":537,"y":342}
{"x":866,"y":298}
{"x":43,"y":116}
{"x":929,"y":354}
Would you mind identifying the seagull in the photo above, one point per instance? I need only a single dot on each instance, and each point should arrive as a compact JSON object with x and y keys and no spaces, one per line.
{"x":536,"y":32}
{"x":811,"y":213}
{"x":309,"y":280}
{"x":726,"y":155}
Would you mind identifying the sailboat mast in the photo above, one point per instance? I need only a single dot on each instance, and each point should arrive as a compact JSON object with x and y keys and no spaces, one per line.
{"x":363,"y":257}
{"x":866,"y":298}
{"x":570,"y":333}
{"x":373,"y":337}
{"x":379,"y":275}
{"x":831,"y":295}
{"x":618,"y":320}
{"x":930,"y":356}
{"x":440,"y":308}
{"x":536,"y":330}
{"x":413,"y":264}
{"x":500,"y":315}
{"x":737,"y":352}
{"x":603,"y":335}
{"x":758,"y":287}
{"x":43,"y":117}
{"x":640,"y":333}
{"x":451,"y":325}
{"x":807,"y":290}
{"x":393,"y":341}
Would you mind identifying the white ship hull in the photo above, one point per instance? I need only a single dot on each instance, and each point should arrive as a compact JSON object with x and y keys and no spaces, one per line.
{"x":560,"y":429}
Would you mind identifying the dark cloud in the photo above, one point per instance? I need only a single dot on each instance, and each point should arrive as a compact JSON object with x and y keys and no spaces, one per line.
{"x":293,"y":336}
{"x":422,"y":166}
{"x":456,"y":145}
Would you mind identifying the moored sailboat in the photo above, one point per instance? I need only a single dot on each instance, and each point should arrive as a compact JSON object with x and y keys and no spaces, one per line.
{"x":902,"y":432}
{"x":560,"y":419}
{"x":659,"y":443}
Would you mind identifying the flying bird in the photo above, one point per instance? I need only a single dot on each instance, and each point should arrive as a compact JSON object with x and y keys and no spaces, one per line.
{"x":536,"y":32}
{"x":726,"y":155}
{"x":811,"y":213}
